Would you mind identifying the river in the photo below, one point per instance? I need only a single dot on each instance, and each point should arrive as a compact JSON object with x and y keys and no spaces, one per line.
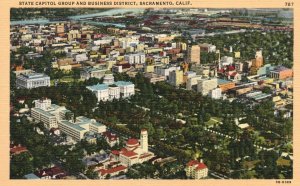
{"x":79,"y":17}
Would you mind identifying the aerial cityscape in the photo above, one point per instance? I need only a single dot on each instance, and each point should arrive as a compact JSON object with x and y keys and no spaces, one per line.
{"x":151,"y":93}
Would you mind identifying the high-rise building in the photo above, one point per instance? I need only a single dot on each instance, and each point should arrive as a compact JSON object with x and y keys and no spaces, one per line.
{"x":60,"y":29}
{"x":205,"y":86}
{"x":176,"y":77}
{"x":193,"y":54}
{"x":256,"y":63}
{"x":192,"y":81}
{"x":48,"y":113}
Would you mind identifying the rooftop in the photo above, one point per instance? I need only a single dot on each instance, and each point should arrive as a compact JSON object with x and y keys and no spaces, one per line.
{"x":34,"y":75}
{"x":18,"y":149}
{"x":31,"y":176}
{"x":132,"y":141}
{"x":112,"y":170}
{"x":105,"y":86}
{"x":97,"y":87}
{"x":129,"y":153}
{"x":123,"y":83}
{"x":280,"y":68}
{"x":44,"y":112}
{"x":222,"y":81}
{"x":72,"y":125}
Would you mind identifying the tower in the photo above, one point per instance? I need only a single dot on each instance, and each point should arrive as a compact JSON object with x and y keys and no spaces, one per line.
{"x":144,"y":140}
{"x":193,"y":54}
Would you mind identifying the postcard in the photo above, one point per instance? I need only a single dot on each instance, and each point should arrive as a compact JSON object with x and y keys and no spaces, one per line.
{"x":149,"y":92}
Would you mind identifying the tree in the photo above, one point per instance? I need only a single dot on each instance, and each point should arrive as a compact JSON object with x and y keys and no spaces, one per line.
{"x":90,"y":173}
{"x":21,"y":165}
{"x":73,"y":163}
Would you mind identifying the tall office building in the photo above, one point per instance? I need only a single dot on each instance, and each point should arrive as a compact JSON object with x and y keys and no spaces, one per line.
{"x":205,"y":86}
{"x":193,"y":54}
{"x":176,"y":77}
{"x":256,"y":63}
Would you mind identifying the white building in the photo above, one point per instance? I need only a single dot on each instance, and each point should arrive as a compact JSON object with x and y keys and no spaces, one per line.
{"x":192,"y":81}
{"x":216,"y":93}
{"x":135,"y":151}
{"x":32,"y":80}
{"x":108,"y":79}
{"x":207,"y":47}
{"x":176,"y":77}
{"x":81,"y":57}
{"x":54,"y":116}
{"x":126,"y":88}
{"x":103,"y":41}
{"x":113,"y":92}
{"x":106,"y":92}
{"x":48,"y":113}
{"x":111,"y":138}
{"x":78,"y":128}
{"x":90,"y":72}
{"x":225,"y":60}
{"x":138,"y":58}
{"x":165,"y":71}
{"x":128,"y":42}
{"x":196,"y":170}
{"x":204,"y":86}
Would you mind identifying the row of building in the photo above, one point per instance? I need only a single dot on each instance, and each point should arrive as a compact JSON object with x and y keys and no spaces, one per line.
{"x":54,"y":116}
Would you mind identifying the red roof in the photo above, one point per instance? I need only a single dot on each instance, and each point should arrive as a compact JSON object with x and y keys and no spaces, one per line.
{"x":110,"y":136}
{"x":132,"y":141}
{"x":233,"y":74}
{"x":192,"y":162}
{"x":129,"y":153}
{"x":231,"y":68}
{"x":145,"y":155}
{"x":115,"y":152}
{"x":54,"y":171}
{"x":198,"y":165}
{"x":18,"y":149}
{"x":201,"y":166}
{"x":112,"y":170}
{"x":221,"y":70}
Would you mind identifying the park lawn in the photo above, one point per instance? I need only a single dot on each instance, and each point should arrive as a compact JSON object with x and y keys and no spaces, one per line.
{"x":216,"y":118}
{"x":283,"y":162}
{"x":212,"y":121}
{"x":250,"y":164}
{"x":65,"y":79}
{"x":52,"y":82}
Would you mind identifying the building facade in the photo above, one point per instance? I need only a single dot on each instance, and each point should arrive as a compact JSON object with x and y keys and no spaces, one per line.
{"x":176,"y":77}
{"x":81,"y":125}
{"x":48,"y":113}
{"x":32,"y":80}
{"x":105,"y":92}
{"x":281,"y":73}
{"x":138,"y":58}
{"x":135,"y":151}
{"x":90,"y":72}
{"x":193,"y":55}
{"x":204,"y":86}
{"x":196,"y":170}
